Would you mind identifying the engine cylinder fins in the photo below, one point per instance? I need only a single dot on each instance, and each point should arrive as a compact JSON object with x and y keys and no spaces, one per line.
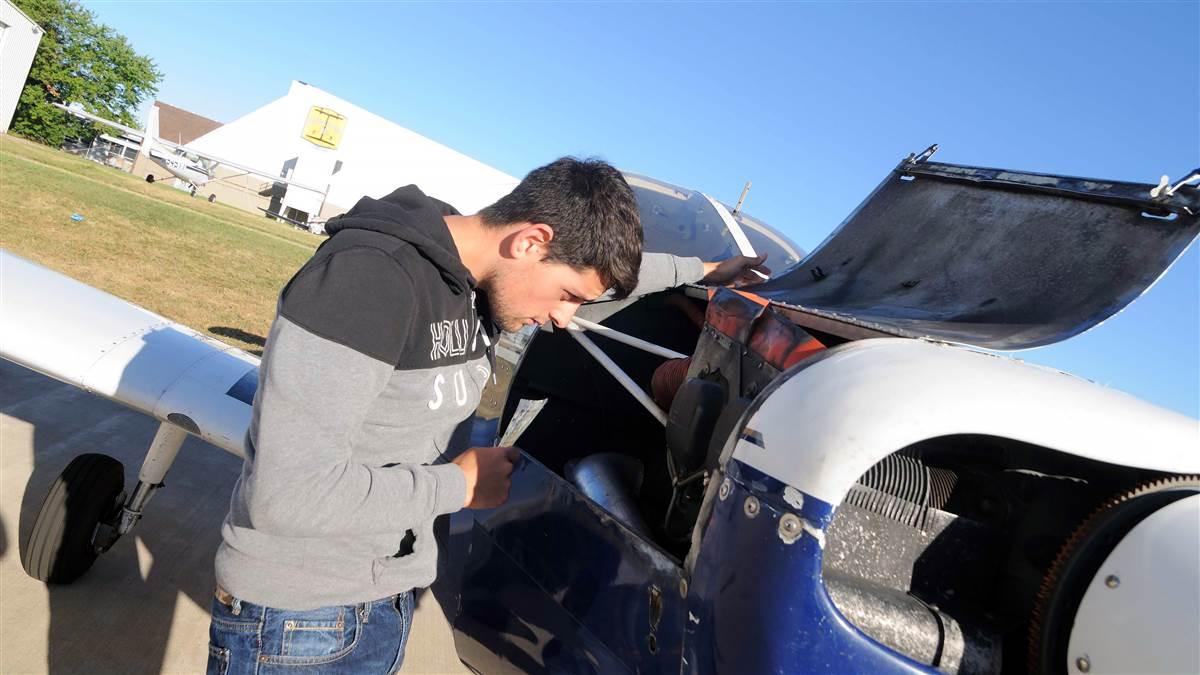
{"x":903,"y":488}
{"x":1080,"y":557}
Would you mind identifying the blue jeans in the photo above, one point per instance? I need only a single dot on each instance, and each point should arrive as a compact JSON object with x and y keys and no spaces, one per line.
{"x":368,"y":638}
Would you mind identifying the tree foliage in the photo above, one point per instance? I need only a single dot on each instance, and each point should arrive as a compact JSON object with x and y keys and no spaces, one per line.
{"x":81,"y":61}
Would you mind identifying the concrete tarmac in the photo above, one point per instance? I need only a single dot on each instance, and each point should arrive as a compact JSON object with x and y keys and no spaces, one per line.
{"x":143,"y":607}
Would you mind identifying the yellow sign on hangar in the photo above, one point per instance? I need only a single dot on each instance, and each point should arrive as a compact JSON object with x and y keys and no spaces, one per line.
{"x":324,"y":127}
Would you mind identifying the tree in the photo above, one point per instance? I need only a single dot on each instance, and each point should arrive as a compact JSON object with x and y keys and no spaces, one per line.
{"x":79,"y":61}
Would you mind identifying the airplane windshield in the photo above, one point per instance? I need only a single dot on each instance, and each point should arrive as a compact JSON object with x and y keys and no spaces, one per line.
{"x":781,"y":251}
{"x":680,"y":221}
{"x":685,"y":223}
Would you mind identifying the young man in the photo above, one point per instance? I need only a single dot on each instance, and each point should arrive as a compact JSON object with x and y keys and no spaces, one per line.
{"x":378,"y":351}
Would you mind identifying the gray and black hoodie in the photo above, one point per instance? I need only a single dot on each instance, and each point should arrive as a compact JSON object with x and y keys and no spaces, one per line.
{"x":378,"y":353}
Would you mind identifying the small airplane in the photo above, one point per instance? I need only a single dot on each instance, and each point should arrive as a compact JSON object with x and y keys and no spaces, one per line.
{"x":840,"y":480}
{"x":195,"y":168}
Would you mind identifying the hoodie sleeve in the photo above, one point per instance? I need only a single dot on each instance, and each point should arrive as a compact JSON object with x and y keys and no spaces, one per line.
{"x":659,"y":271}
{"x":331,"y":351}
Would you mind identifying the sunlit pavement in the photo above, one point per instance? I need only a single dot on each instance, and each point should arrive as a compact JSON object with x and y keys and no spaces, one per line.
{"x":143,"y":607}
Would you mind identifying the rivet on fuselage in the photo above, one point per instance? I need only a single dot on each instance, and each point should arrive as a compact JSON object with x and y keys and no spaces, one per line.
{"x":726,"y":488}
{"x":790,"y":528}
{"x":751,"y":507}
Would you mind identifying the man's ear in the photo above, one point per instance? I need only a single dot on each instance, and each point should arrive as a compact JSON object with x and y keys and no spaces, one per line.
{"x":532,"y":240}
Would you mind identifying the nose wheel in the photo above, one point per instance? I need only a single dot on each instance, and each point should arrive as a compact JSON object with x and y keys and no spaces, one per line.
{"x":85,"y":499}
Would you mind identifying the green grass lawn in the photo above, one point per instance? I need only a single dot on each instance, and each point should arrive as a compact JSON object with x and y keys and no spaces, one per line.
{"x":208,"y":266}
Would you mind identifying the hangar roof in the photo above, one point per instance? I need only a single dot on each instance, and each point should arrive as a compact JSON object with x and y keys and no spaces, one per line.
{"x":180,"y":126}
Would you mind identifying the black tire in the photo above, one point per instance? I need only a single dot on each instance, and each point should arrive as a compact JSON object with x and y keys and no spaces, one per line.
{"x":212,"y":198}
{"x":149,"y":178}
{"x":59,"y":549}
{"x":193,"y":192}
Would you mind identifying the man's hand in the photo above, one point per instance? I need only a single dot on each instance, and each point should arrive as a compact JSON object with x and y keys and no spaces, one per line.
{"x":488,"y":472}
{"x":736,"y":271}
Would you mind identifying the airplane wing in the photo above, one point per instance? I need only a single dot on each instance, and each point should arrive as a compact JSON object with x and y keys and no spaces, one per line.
{"x":241,"y":167}
{"x":104,"y":345}
{"x":79,"y":112}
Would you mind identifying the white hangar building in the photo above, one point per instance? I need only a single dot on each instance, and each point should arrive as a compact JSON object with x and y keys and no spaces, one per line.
{"x":19,"y":38}
{"x":319,"y":140}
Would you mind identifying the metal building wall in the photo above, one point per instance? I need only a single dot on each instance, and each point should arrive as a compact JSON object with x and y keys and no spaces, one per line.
{"x":19,"y":38}
{"x":376,"y":156}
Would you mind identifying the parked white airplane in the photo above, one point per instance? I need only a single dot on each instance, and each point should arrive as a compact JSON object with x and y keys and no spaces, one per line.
{"x":193,"y":167}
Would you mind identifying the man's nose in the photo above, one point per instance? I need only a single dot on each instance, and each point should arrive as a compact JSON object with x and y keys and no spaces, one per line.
{"x":563,"y":313}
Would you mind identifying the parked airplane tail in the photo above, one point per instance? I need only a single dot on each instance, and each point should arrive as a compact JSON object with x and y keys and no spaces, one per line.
{"x":151,"y":125}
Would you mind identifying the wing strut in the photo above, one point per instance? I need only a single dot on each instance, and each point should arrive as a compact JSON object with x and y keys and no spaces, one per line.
{"x":576,"y":330}
{"x":636,"y":343}
{"x":159,"y":459}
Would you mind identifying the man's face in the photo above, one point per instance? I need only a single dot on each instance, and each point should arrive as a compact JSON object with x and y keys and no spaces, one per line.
{"x":532,"y":291}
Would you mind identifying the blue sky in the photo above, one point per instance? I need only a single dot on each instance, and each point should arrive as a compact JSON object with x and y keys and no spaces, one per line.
{"x":813,"y":102}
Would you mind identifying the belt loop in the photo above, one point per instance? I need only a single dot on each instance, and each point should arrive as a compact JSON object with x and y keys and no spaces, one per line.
{"x":226,"y":598}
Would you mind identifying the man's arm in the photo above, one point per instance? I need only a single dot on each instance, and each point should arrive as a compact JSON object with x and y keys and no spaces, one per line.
{"x":736,"y":271}
{"x":330,"y":354}
{"x":661,"y":271}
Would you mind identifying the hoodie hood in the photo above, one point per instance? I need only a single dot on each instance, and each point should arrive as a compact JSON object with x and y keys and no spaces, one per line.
{"x":415,"y":218}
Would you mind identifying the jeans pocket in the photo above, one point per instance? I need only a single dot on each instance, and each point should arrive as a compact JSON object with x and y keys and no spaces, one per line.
{"x":309,"y":637}
{"x":218,"y":660}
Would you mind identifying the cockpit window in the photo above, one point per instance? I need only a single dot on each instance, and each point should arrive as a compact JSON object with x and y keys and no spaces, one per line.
{"x":685,"y":223}
{"x":680,"y":221}
{"x":781,"y":252}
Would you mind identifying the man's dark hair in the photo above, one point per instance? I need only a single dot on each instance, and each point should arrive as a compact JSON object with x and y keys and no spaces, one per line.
{"x":593,"y":212}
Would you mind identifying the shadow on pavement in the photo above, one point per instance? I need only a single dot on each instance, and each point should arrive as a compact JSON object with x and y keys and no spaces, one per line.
{"x":119,"y":616}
